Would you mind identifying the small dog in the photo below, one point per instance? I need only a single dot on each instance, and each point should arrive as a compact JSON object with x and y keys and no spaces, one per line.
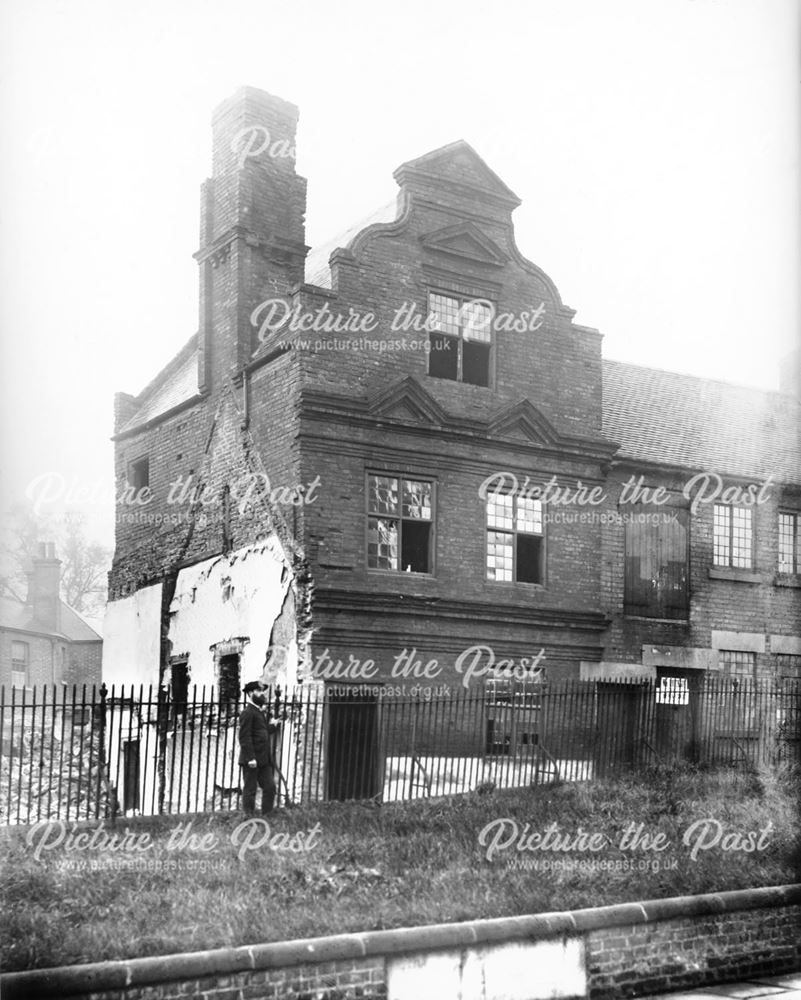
{"x":224,"y":799}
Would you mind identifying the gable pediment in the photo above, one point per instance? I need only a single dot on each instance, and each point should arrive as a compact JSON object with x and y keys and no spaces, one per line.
{"x":457,"y":164}
{"x":524,"y":422}
{"x":467,"y":241}
{"x":407,"y":401}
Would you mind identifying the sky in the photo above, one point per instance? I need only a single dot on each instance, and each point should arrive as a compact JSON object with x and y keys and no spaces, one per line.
{"x":654,"y":144}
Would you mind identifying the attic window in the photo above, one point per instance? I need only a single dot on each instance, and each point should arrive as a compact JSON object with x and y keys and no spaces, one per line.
{"x":461,"y":343}
{"x":139,"y":473}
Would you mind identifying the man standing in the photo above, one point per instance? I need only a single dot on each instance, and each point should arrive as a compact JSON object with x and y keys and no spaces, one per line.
{"x":255,"y":751}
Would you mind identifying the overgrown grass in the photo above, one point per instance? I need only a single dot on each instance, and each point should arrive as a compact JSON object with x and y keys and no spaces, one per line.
{"x":388,"y":866}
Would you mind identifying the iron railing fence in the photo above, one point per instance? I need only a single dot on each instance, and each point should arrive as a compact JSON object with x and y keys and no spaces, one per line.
{"x":87,"y":753}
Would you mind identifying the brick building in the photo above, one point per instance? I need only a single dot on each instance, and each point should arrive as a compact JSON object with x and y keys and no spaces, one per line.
{"x":429,"y":467}
{"x":42,"y":640}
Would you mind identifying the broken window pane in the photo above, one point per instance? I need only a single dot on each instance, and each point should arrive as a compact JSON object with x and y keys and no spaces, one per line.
{"x":416,"y":499}
{"x":499,"y":555}
{"x":383,"y":495}
{"x":382,"y":543}
{"x":400,"y":543}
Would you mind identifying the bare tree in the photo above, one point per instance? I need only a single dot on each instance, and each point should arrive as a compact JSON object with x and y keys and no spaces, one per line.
{"x":20,"y":534}
{"x":84,"y":566}
{"x":84,"y":563}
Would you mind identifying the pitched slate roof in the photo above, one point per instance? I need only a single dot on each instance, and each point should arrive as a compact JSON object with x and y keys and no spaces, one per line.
{"x":174,"y":384}
{"x":697,"y":423}
{"x":317,"y":269}
{"x":16,"y":614}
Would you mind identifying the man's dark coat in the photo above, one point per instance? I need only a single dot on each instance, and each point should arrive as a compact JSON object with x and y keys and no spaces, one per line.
{"x":254,"y":737}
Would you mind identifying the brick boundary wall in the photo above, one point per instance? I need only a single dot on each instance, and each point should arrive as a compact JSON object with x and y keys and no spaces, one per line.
{"x":625,"y":950}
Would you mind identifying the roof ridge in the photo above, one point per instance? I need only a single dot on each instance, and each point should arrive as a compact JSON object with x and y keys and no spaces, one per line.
{"x":698,"y":378}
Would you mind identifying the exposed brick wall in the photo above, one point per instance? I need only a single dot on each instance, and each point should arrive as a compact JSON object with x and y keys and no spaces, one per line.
{"x":757,"y":603}
{"x":328,"y":413}
{"x":85,"y":663}
{"x":346,"y":980}
{"x":52,"y":660}
{"x":692,"y":951}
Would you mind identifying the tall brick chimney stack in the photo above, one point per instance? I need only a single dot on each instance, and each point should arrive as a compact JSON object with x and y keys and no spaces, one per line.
{"x":43,"y":587}
{"x":251,"y":230}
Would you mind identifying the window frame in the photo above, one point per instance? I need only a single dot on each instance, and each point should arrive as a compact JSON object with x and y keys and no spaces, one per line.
{"x":132,"y":466}
{"x":542,"y":535}
{"x":795,"y":564}
{"x":224,"y":697}
{"x":725,"y":668}
{"x":632,"y":610}
{"x":368,"y":513}
{"x":462,"y":299}
{"x":26,"y":662}
{"x":729,"y":564}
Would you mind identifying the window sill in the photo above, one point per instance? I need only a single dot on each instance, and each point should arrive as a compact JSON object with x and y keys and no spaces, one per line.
{"x":787,"y":580}
{"x":515,"y":583}
{"x":735,"y":575}
{"x":459,"y":381}
{"x":394,"y":574}
{"x":661,"y":621}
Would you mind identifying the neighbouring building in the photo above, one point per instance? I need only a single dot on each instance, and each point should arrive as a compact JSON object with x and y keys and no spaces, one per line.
{"x":429,"y":468}
{"x":43,"y":641}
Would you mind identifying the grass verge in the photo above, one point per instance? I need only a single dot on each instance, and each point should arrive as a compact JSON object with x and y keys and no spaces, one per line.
{"x":336,"y":867}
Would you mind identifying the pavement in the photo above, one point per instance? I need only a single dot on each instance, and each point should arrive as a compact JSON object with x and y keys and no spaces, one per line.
{"x":786,"y":987}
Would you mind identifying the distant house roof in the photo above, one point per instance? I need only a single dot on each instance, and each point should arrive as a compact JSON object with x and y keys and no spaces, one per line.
{"x":17,"y":614}
{"x":697,"y":423}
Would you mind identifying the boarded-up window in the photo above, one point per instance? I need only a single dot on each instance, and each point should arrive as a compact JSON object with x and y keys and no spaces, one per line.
{"x":657,"y":563}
